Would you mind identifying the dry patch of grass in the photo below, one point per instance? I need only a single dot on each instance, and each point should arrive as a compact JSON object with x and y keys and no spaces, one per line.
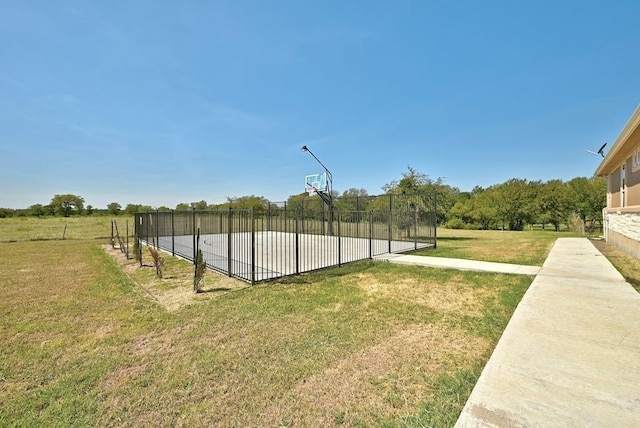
{"x":17,"y":229}
{"x":380,"y":382}
{"x":175,"y":289}
{"x":458,"y":297}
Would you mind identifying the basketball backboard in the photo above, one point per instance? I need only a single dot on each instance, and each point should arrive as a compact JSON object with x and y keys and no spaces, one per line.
{"x":315,"y":182}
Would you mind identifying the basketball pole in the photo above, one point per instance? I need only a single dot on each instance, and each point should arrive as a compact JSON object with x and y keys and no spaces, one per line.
{"x":329,"y":185}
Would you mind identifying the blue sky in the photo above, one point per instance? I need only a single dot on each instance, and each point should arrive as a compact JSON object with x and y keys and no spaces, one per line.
{"x":160,"y":102}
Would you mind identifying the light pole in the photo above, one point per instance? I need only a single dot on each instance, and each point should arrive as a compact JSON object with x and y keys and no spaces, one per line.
{"x":329,"y":186}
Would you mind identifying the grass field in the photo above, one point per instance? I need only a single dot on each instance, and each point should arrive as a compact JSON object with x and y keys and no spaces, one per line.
{"x":85,"y":342}
{"x":525,"y":248}
{"x":89,"y":338}
{"x":20,"y":229}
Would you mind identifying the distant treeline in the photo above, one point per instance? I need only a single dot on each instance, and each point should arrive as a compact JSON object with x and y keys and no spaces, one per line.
{"x":512,"y":205}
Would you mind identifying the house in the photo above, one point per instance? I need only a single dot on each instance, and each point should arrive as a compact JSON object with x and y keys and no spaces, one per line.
{"x":621,"y":167}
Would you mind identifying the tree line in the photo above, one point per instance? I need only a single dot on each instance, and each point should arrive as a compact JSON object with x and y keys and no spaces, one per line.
{"x":511,"y":205}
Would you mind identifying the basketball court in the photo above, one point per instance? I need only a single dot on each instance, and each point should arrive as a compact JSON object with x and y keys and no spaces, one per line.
{"x":258,"y":245}
{"x":265,"y":255}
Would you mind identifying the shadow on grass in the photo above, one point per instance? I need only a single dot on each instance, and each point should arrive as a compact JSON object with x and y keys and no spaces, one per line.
{"x":635,"y":282}
{"x":217,"y":290}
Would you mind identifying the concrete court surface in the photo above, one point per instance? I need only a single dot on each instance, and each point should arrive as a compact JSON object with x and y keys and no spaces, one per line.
{"x":278,"y":254}
{"x":570,"y":355}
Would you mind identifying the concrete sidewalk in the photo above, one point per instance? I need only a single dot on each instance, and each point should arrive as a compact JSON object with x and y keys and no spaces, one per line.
{"x":444,"y":262}
{"x":570,"y":355}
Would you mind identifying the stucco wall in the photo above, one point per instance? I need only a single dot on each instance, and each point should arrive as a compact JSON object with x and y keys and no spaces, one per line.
{"x":623,"y":230}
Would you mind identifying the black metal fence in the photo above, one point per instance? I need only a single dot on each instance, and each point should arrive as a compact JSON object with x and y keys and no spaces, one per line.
{"x":257,"y":245}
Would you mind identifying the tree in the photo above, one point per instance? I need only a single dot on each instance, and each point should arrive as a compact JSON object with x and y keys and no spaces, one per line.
{"x":516,"y":202}
{"x":67,"y":205}
{"x":199,"y":206}
{"x":36,"y":210}
{"x":114,"y":208}
{"x":89,"y":209}
{"x":6,"y":212}
{"x":553,"y":201}
{"x":414,"y":182}
{"x":588,"y":197}
{"x":410,"y":182}
{"x":132,"y":209}
{"x":485,"y":212}
{"x":182,"y":206}
{"x":352,"y":200}
{"x":258,"y":203}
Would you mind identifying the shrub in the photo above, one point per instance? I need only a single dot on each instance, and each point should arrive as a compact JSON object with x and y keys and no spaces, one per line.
{"x":576,"y":224}
{"x":201,"y":267}
{"x":455,"y":223}
{"x":137,"y":253}
{"x":158,"y":261}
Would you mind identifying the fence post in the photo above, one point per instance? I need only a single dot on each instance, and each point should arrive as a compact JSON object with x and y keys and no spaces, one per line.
{"x":253,"y":248}
{"x":370,"y":234}
{"x":415,"y":230}
{"x":390,"y":232}
{"x":195,"y":261}
{"x":269,"y":217}
{"x":297,"y":230}
{"x":435,"y":219}
{"x":339,"y":239}
{"x":193,"y":232}
{"x":126,"y":226}
{"x":113,"y":242}
{"x":229,"y":227}
{"x":173,"y":235}
{"x":157,"y":230}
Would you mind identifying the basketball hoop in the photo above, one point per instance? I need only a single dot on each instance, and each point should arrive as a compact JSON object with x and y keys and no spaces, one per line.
{"x":315,"y":183}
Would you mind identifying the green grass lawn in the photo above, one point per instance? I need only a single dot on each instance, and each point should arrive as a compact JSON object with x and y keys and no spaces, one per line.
{"x":368,"y":344}
{"x":525,"y":248}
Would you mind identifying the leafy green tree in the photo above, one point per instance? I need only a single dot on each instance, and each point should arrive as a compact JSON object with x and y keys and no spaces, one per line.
{"x":199,"y":206}
{"x":6,"y":212}
{"x":114,"y":208}
{"x":410,"y":182}
{"x":352,"y":200}
{"x":414,"y":182}
{"x":588,"y":197}
{"x":554,"y":204}
{"x":89,"y":210}
{"x":132,"y":209}
{"x":485,"y":211}
{"x":516,"y":203}
{"x":36,"y":210}
{"x":182,"y":206}
{"x":67,"y":205}
{"x":258,"y":203}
